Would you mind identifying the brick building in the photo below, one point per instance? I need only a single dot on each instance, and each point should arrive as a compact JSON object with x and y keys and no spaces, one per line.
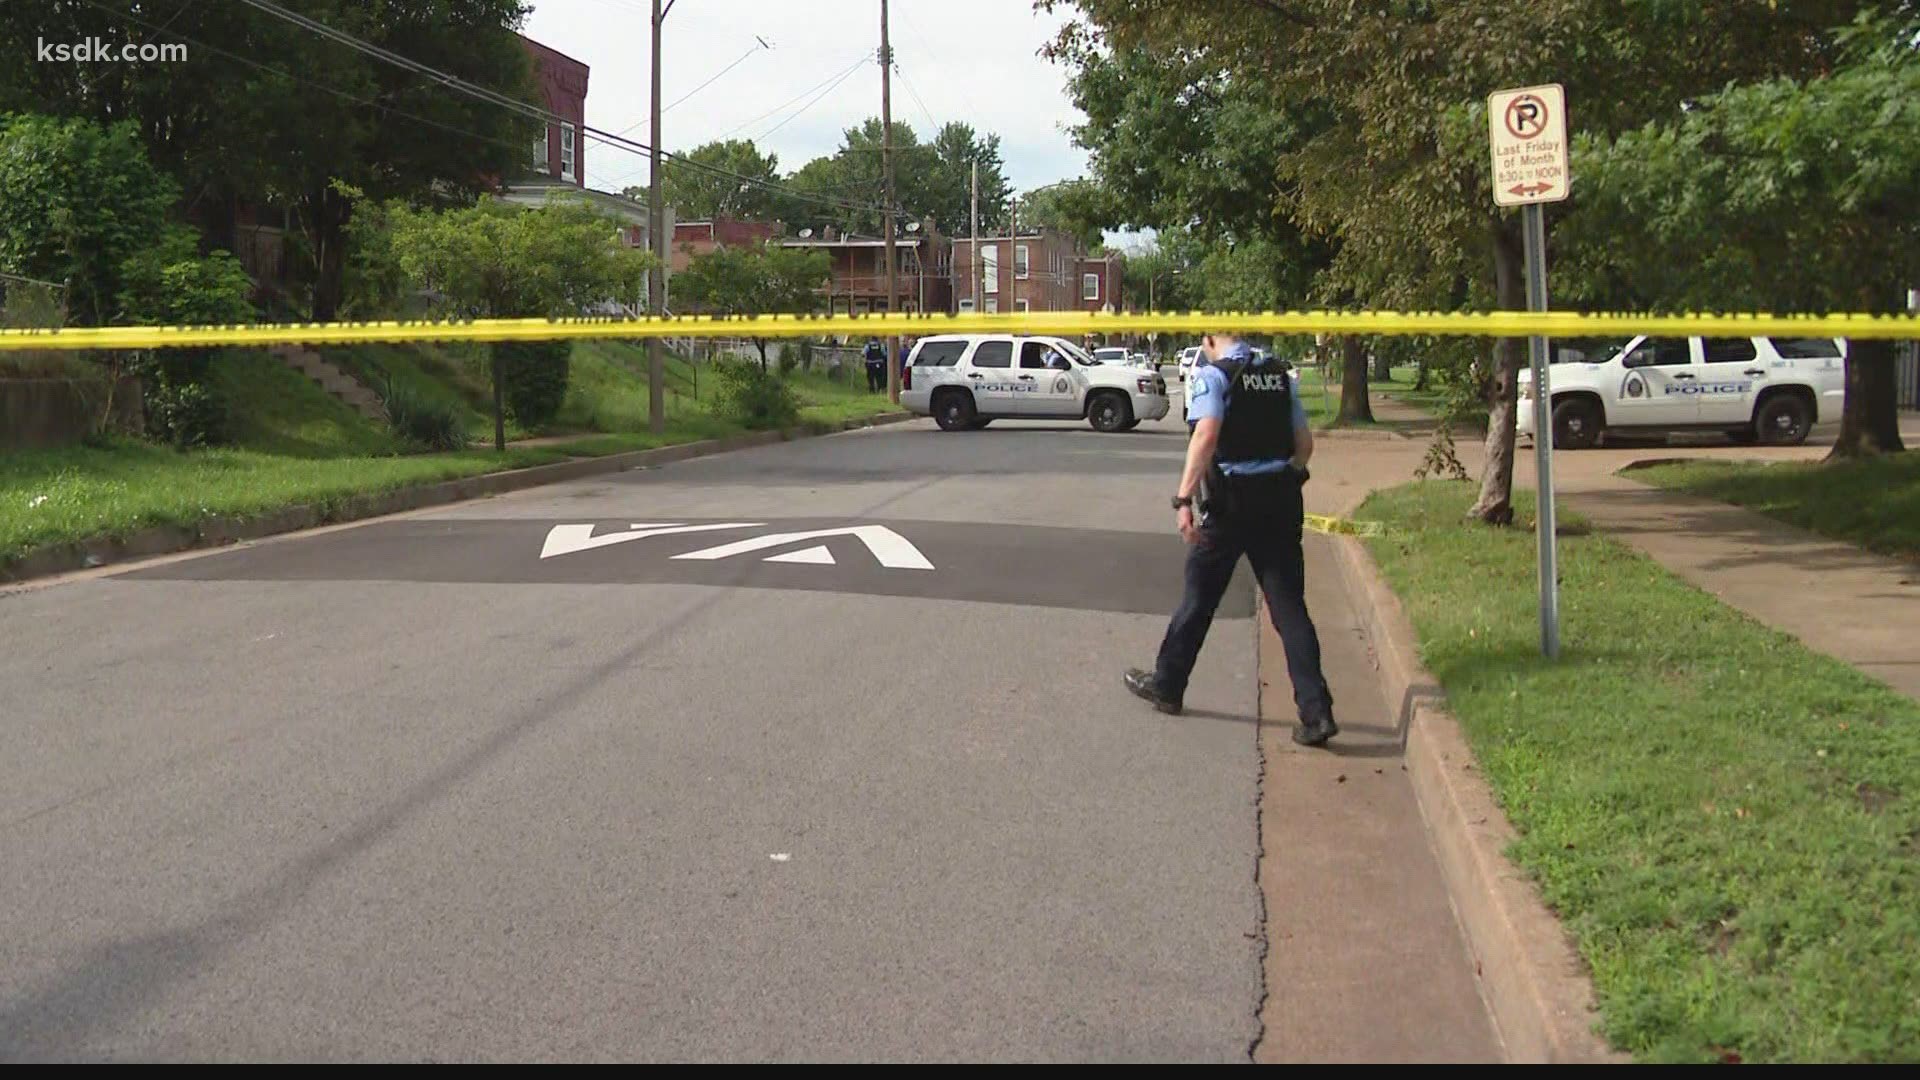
{"x":1042,"y":270}
{"x":858,"y":286}
{"x":561,"y":152}
{"x":695,"y":238}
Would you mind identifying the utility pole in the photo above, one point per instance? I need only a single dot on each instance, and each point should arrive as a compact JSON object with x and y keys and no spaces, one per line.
{"x":1013,"y":239}
{"x":656,"y":279}
{"x":886,"y":210}
{"x":973,"y":262}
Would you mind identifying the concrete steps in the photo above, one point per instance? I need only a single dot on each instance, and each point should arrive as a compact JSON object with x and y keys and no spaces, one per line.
{"x":334,"y":381}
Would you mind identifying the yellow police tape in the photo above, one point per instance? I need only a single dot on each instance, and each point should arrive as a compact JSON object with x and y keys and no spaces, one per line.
{"x":1331,"y":525}
{"x":1557,"y":324}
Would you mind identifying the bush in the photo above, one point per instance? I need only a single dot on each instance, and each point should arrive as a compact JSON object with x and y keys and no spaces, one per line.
{"x":535,"y":377}
{"x":186,"y":414}
{"x":434,"y":425}
{"x":183,"y":407}
{"x":753,"y":398}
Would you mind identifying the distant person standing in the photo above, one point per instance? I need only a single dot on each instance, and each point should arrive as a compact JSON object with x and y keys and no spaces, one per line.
{"x":876,"y":366}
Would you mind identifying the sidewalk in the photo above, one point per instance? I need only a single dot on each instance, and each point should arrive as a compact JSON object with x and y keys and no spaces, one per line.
{"x":1366,"y":960}
{"x":1837,"y":599}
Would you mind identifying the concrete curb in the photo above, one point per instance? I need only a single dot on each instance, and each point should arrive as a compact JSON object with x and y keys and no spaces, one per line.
{"x":1535,"y":986}
{"x":218,"y":531}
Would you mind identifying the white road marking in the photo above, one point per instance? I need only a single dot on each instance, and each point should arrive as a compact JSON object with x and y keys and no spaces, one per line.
{"x":890,"y":548}
{"x":813,"y":556}
{"x":569,"y":539}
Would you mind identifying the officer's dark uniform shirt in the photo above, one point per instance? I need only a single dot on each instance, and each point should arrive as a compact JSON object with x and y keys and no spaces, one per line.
{"x":1210,"y":392}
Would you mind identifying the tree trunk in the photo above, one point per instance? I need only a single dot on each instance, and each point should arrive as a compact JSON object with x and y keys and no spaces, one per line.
{"x":1420,"y":375}
{"x":499,"y":402}
{"x":1870,"y":418}
{"x":328,"y":222}
{"x":1495,"y":505}
{"x":1383,"y":366}
{"x":761,"y":344}
{"x":1354,"y":406}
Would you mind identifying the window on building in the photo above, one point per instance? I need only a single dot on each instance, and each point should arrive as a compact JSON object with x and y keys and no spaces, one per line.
{"x":566,"y":152}
{"x":993,"y":306}
{"x":1090,"y":286}
{"x":540,"y":151}
{"x":1020,"y":261}
{"x":990,"y":267}
{"x":1020,"y":304}
{"x":966,"y":304}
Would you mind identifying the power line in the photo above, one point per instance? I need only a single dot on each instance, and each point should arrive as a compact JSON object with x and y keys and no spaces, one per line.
{"x":484,"y":94}
{"x":861,"y":59}
{"x":743,"y":59}
{"x":933,"y":126}
{"x":797,"y":113}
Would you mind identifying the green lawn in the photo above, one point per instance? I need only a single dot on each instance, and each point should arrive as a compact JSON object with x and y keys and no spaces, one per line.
{"x":451,"y":374}
{"x":76,"y":493}
{"x":276,"y":410}
{"x":1874,"y":502}
{"x":295,"y":444}
{"x":1727,"y":823}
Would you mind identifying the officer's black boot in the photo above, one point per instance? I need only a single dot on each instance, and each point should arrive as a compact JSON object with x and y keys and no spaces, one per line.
{"x":1144,"y":686}
{"x":1316,"y":729}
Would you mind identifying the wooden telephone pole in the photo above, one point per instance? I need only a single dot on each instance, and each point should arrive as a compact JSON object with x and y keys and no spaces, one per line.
{"x":886,"y":210}
{"x":656,"y":230}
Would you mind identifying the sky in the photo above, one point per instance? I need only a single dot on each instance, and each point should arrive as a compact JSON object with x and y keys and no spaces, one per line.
{"x":971,"y":60}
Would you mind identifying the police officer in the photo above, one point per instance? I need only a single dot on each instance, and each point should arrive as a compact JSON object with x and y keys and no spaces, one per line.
{"x":1240,"y":494}
{"x":876,"y":356}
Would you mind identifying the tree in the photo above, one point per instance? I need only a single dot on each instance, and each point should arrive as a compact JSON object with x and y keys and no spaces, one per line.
{"x":1074,"y":207}
{"x":715,"y":181}
{"x":957,"y":147}
{"x":1396,"y":165}
{"x":853,"y":175}
{"x":170,"y":284}
{"x":1778,"y":195}
{"x":295,"y":112}
{"x":77,"y":200}
{"x":494,"y":260}
{"x":1188,"y":147}
{"x":81,"y":205}
{"x":762,"y":280}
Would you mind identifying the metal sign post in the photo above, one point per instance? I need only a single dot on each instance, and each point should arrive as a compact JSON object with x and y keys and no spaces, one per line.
{"x":1535,"y":225}
{"x":1528,"y":129}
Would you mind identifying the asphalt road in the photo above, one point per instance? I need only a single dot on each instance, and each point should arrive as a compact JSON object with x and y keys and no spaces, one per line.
{"x":411,"y":791}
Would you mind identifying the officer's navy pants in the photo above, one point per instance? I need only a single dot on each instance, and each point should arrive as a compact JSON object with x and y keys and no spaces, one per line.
{"x":1263,"y":520}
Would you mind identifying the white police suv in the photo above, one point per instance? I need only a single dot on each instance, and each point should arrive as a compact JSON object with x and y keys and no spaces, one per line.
{"x":967,"y":381}
{"x":1768,"y":390}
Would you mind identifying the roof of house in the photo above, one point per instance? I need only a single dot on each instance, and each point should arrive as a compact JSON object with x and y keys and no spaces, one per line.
{"x":852,"y":242}
{"x":535,"y":191}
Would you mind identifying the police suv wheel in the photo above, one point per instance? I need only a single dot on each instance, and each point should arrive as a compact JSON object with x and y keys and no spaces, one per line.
{"x":1783,"y":421}
{"x":1576,"y":425}
{"x":1110,"y":412}
{"x":953,"y":411}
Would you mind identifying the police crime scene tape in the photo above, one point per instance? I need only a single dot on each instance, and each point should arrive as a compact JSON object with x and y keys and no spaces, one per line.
{"x":1554,"y":324}
{"x":1333,"y":525}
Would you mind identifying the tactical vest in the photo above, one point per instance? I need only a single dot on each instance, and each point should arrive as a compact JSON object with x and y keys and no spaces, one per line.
{"x":1259,"y":421}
